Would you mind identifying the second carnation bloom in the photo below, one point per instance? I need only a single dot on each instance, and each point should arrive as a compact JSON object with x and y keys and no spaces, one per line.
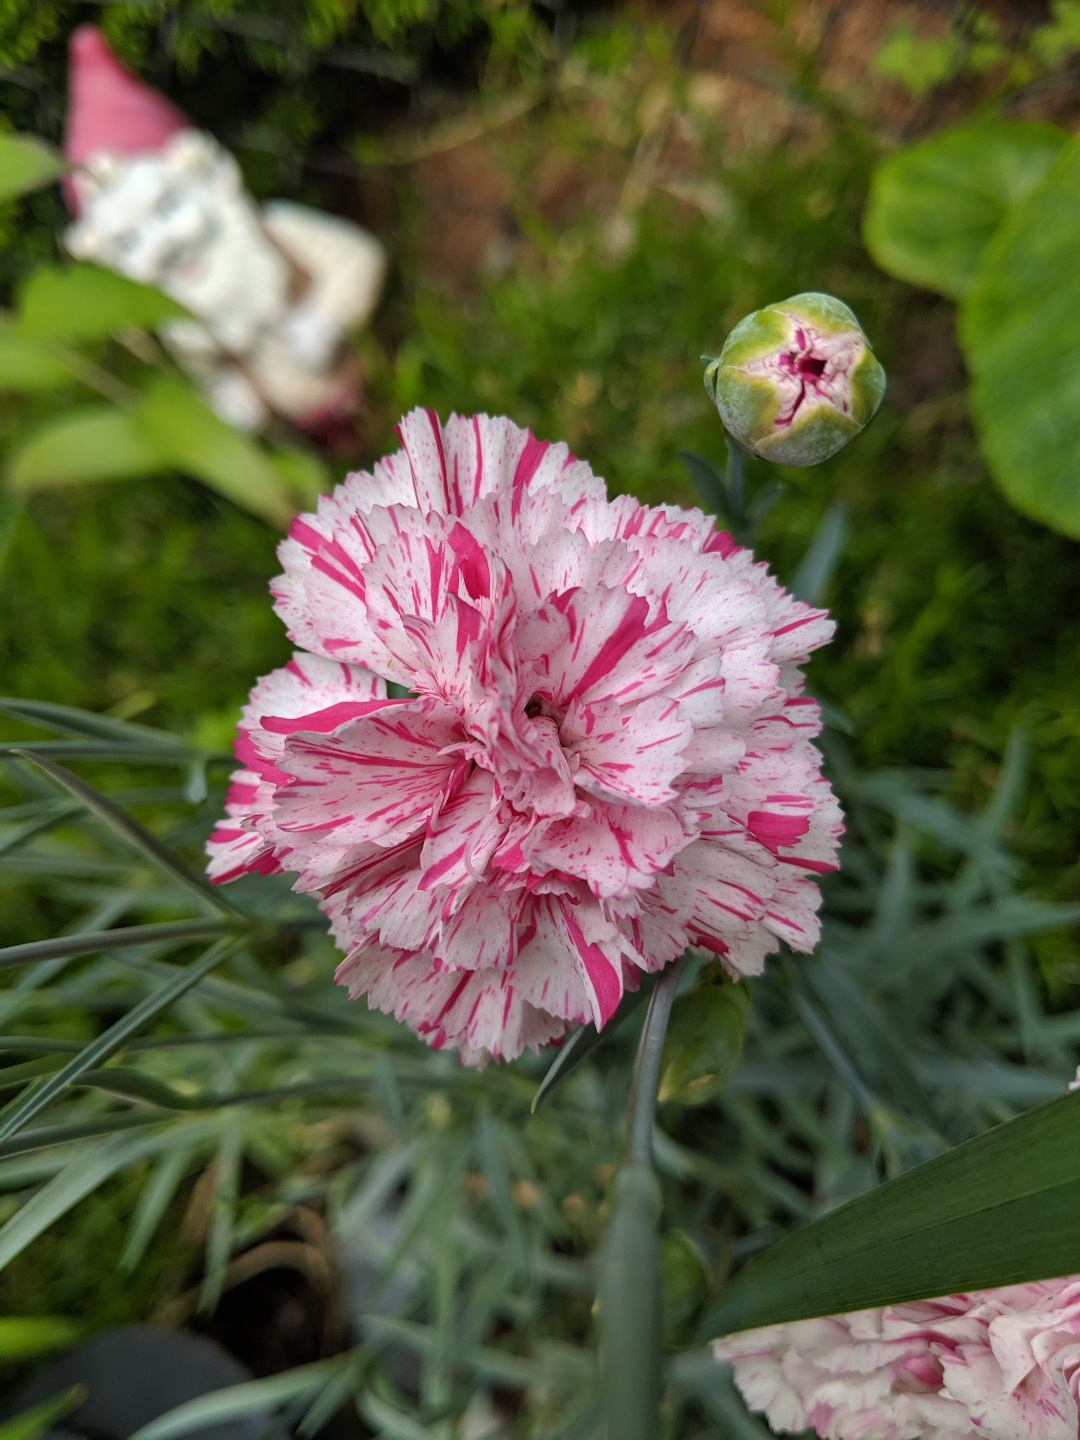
{"x":604,"y":754}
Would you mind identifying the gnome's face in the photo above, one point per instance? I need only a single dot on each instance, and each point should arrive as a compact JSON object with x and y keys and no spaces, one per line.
{"x":180,"y":219}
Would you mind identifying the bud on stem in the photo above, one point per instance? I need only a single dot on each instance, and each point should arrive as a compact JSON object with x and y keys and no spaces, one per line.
{"x":797,"y":380}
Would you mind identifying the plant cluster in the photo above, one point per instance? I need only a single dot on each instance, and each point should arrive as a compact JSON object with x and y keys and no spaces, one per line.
{"x":190,"y":1092}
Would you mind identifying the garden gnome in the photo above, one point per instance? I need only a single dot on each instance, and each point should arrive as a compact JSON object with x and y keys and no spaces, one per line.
{"x":272,"y":289}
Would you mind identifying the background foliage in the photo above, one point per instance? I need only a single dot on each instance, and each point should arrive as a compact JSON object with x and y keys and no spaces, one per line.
{"x":639,"y":214}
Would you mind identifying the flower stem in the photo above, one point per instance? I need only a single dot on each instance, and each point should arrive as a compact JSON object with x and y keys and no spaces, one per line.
{"x":631,"y":1315}
{"x":646,"y":1078}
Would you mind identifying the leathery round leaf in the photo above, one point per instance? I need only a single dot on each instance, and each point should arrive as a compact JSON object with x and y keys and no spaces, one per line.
{"x":1019,"y":323}
{"x":934,"y":207}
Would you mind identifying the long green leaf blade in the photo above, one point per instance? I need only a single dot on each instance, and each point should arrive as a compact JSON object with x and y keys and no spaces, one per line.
{"x":71,"y":721}
{"x":83,"y":1174}
{"x":998,"y":1210}
{"x":111,"y":1040}
{"x":41,"y":1418}
{"x":123,"y":824}
{"x":89,"y":943}
{"x":249,"y":1397}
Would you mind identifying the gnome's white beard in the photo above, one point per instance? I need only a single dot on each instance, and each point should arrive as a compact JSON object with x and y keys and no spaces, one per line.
{"x":235,"y":281}
{"x":180,"y":220}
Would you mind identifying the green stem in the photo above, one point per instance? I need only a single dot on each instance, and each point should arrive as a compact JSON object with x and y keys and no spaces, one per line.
{"x":631,"y":1307}
{"x":646,"y":1078}
{"x":735,"y":483}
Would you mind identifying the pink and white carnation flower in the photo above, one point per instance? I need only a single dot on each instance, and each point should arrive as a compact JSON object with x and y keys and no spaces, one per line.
{"x":604,"y":755}
{"x":991,"y":1365}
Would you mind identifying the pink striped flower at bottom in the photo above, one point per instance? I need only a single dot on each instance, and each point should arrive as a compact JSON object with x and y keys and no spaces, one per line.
{"x":603,"y":754}
{"x":992,"y":1365}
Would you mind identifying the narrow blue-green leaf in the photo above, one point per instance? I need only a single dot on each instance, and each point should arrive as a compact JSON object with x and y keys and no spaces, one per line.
{"x":998,"y":1210}
{"x":816,"y":568}
{"x":707,"y":482}
{"x":21,"y":834}
{"x":111,"y":1040}
{"x":79,"y":750}
{"x":174,"y":932}
{"x":82,"y":1175}
{"x":251,"y":1397}
{"x":130,"y":829}
{"x":222,"y":1211}
{"x":71,"y":721}
{"x":583,"y":1042}
{"x":631,"y":1308}
{"x":153,"y":1201}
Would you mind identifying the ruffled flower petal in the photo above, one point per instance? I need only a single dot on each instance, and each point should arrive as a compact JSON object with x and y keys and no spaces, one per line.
{"x":602,"y":755}
{"x":990,"y":1365}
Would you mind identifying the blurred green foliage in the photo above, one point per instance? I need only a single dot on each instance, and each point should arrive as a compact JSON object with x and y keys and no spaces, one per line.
{"x":954,"y":665}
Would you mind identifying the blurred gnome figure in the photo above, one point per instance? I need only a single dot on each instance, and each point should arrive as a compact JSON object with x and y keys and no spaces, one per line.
{"x":273,"y":289}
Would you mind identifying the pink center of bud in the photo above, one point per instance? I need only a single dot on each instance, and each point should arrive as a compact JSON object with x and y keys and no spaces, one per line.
{"x":809,"y":369}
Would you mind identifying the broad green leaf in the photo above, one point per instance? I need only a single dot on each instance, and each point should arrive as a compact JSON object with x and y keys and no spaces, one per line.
{"x":95,"y":442}
{"x":934,"y":207}
{"x":997,"y":1210}
{"x":27,"y":163}
{"x":41,"y":1418}
{"x":1019,"y":323}
{"x":84,"y":302}
{"x":179,"y":426}
{"x":24,"y":1336}
{"x":26,"y":364}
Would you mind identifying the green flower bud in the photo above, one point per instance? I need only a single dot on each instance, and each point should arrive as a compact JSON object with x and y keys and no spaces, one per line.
{"x":795,"y":381}
{"x":704,"y":1038}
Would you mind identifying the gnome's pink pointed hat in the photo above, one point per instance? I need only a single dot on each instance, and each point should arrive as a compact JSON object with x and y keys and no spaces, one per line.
{"x":109,"y":108}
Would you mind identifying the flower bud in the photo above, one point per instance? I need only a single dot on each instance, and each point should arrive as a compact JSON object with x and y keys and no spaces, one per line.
{"x":795,"y":381}
{"x":704,"y":1038}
